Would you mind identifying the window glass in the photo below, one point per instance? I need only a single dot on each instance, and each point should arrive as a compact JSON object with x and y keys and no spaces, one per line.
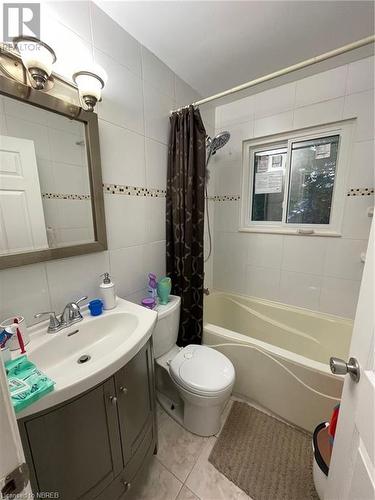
{"x":312,"y":178}
{"x":268,"y":184}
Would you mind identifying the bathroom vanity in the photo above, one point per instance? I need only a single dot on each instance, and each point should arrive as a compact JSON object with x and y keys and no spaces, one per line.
{"x":93,"y":445}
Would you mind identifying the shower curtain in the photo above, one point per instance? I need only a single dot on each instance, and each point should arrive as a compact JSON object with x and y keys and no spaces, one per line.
{"x":185,"y":219}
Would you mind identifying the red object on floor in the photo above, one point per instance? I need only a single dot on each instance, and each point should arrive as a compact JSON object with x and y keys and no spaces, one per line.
{"x":333,"y":423}
{"x":19,"y":338}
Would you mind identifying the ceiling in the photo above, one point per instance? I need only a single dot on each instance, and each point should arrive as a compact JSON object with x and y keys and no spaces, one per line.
{"x":216,"y":45}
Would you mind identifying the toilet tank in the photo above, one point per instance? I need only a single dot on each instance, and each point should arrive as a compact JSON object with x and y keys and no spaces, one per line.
{"x":166,"y":330}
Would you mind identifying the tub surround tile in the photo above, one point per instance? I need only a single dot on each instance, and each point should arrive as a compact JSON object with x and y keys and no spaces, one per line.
{"x":339,"y":296}
{"x":275,"y":101}
{"x":343,"y":258}
{"x":361,"y":107}
{"x":319,"y":113}
{"x":274,"y":124}
{"x":265,"y":250}
{"x":227,"y":178}
{"x":227,"y":215}
{"x":362,"y":160}
{"x":307,"y":269}
{"x":239,"y":111}
{"x":360,"y":76}
{"x":321,"y":87}
{"x":356,"y":222}
{"x":232,"y":152}
{"x":302,"y":290}
{"x":263,"y":282}
{"x":304,"y":254}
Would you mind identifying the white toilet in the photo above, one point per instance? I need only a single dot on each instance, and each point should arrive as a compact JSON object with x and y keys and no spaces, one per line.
{"x":192,"y":383}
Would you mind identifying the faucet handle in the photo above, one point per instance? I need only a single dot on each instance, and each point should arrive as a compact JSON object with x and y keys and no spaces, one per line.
{"x":54,"y":322}
{"x":81,"y":299}
{"x":75,"y":311}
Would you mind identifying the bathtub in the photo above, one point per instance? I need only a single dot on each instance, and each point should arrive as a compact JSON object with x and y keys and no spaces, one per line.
{"x":280,"y":353}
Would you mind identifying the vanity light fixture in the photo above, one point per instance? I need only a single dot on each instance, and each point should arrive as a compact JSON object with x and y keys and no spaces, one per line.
{"x":37,"y":57}
{"x":90,"y":87}
{"x":29,"y":61}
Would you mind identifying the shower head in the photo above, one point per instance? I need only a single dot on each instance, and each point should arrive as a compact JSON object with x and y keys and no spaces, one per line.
{"x":219,"y":141}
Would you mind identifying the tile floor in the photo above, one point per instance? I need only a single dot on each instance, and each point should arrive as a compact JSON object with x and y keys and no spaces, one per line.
{"x":181,"y":471}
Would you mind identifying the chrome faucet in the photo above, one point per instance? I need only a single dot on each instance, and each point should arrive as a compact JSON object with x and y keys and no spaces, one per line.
{"x":70,"y":315}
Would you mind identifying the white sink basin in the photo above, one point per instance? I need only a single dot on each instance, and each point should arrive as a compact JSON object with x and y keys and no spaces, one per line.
{"x":104,"y":343}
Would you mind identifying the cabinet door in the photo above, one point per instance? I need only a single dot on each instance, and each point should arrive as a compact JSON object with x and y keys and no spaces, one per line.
{"x":76,"y":448}
{"x":134,"y":387}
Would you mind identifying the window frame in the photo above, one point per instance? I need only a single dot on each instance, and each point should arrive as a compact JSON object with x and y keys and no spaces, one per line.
{"x":251,"y":146}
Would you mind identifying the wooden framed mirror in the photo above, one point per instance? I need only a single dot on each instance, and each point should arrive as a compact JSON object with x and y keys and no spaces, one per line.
{"x":51,"y":191}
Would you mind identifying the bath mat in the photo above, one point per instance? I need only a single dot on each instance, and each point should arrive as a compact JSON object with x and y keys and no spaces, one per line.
{"x":266,"y":458}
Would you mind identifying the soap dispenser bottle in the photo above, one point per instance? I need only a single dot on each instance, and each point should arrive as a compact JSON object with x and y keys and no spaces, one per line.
{"x":107,"y":292}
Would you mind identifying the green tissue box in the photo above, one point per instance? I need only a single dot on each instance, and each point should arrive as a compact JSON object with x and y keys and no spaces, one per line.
{"x":26,"y":383}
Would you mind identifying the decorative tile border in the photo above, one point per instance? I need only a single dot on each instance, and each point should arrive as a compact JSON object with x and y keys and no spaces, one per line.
{"x":360,"y":192}
{"x":133,"y":190}
{"x":65,"y":196}
{"x":225,"y":197}
{"x":351,"y":192}
{"x":161,"y":193}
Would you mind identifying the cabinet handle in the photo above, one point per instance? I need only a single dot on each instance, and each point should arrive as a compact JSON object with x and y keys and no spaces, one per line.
{"x":113,"y":400}
{"x":126,"y":485}
{"x":123,"y":389}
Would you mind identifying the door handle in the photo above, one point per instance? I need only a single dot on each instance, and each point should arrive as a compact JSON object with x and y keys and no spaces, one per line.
{"x":339,"y":367}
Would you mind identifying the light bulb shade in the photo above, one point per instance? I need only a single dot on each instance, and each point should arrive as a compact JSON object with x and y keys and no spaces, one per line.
{"x":35,"y":54}
{"x":89,"y":84}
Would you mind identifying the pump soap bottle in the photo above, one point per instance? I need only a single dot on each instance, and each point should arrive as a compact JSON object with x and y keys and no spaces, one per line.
{"x":107,"y":292}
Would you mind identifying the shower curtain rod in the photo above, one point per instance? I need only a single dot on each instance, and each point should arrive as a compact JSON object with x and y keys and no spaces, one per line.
{"x":285,"y":71}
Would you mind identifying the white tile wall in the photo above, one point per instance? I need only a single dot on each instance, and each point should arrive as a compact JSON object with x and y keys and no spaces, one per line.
{"x":314,"y":272}
{"x":133,"y":121}
{"x":321,"y":87}
{"x":275,"y":101}
{"x":274,"y":124}
{"x":361,"y":106}
{"x":360,"y":76}
{"x":319,"y":113}
{"x":122,"y":154}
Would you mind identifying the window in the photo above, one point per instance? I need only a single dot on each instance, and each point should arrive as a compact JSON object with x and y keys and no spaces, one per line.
{"x":295,"y":183}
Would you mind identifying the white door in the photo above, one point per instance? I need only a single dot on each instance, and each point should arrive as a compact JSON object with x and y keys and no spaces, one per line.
{"x":22,"y":224}
{"x":352,"y":470}
{"x":11,"y":453}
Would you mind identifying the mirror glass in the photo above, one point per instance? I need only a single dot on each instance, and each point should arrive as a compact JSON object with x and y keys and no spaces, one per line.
{"x":45,"y":198}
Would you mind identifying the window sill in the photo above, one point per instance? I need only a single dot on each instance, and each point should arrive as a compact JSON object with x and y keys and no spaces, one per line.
{"x":296,"y":232}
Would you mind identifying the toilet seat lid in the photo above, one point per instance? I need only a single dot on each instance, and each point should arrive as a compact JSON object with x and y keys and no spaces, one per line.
{"x":201,"y":369}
